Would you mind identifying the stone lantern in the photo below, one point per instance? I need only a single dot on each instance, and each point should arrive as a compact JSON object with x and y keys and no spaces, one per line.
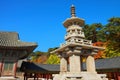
{"x":73,"y":50}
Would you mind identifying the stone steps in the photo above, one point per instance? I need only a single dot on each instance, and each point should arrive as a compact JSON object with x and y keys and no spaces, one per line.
{"x":9,"y":78}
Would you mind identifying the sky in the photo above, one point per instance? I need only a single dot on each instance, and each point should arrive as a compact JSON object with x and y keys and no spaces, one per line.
{"x":41,"y":21}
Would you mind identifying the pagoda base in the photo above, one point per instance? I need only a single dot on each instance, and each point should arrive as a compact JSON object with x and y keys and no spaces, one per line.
{"x":79,"y":76}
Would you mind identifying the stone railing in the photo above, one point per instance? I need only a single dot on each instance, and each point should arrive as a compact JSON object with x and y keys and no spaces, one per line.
{"x":74,"y":34}
{"x":76,"y":40}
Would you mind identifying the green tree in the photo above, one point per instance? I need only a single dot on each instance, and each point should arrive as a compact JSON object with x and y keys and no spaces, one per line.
{"x":109,"y":34}
{"x":53,"y":59}
{"x":92,"y":32}
{"x":113,"y":37}
{"x":50,"y":50}
{"x":113,"y":29}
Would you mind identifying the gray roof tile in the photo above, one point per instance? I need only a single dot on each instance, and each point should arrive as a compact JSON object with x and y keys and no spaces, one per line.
{"x":109,"y":63}
{"x":11,"y":39}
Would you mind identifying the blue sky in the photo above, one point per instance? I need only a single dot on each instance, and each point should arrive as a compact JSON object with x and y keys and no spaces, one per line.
{"x":41,"y":20}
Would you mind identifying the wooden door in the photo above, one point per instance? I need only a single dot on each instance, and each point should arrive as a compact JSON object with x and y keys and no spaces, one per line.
{"x":8,"y":69}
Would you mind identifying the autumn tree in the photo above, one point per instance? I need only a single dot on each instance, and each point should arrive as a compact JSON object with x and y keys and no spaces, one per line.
{"x":53,"y":59}
{"x":109,"y":34}
{"x":38,"y":57}
{"x":100,"y":53}
{"x":113,"y":37}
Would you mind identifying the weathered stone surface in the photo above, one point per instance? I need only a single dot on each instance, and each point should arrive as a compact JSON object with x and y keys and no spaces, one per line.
{"x":63,"y":65}
{"x":90,"y":64}
{"x":74,"y":63}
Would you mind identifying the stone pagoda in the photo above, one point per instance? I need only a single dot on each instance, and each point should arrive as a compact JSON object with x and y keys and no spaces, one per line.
{"x":73,"y":50}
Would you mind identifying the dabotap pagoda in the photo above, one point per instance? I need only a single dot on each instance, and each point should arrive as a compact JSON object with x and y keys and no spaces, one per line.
{"x":12,"y":50}
{"x":73,"y":50}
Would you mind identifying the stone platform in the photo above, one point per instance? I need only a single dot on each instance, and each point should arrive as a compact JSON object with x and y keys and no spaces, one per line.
{"x":80,"y":76}
{"x":9,"y":78}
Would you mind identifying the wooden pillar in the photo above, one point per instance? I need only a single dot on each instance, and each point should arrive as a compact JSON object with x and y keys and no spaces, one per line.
{"x":15,"y":68}
{"x":34,"y":75}
{"x":115,"y":75}
{"x":49,"y":76}
{"x":1,"y":64}
{"x":0,"y":68}
{"x":25,"y":76}
{"x":90,"y":64}
{"x":41,"y":75}
{"x":45,"y":76}
{"x":118,"y":77}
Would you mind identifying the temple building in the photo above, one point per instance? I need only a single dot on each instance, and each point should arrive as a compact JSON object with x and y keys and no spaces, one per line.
{"x":11,"y":51}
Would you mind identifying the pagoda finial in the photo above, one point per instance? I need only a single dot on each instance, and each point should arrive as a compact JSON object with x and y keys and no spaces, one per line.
{"x":73,"y":11}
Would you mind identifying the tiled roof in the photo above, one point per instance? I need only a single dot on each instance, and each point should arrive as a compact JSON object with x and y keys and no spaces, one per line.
{"x":108,"y":63}
{"x":39,"y":68}
{"x":101,"y":64}
{"x":11,"y":39}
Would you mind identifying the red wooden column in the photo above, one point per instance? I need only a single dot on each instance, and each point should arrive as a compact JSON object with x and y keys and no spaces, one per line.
{"x":15,"y":68}
{"x":47,"y":76}
{"x":0,"y":68}
{"x":115,"y":75}
{"x":41,"y":75}
{"x":1,"y":65}
{"x":118,"y":76}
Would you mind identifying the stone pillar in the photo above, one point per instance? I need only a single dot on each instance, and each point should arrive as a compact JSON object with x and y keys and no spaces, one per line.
{"x":75,"y":66}
{"x":63,"y":65}
{"x":90,"y":64}
{"x":15,"y":68}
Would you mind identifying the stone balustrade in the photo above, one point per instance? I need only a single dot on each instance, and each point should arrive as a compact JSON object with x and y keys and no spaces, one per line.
{"x":77,"y":40}
{"x":77,"y":34}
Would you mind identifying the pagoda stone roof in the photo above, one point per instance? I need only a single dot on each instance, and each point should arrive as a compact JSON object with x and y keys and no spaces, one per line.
{"x":68,"y":21}
{"x":11,"y":40}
